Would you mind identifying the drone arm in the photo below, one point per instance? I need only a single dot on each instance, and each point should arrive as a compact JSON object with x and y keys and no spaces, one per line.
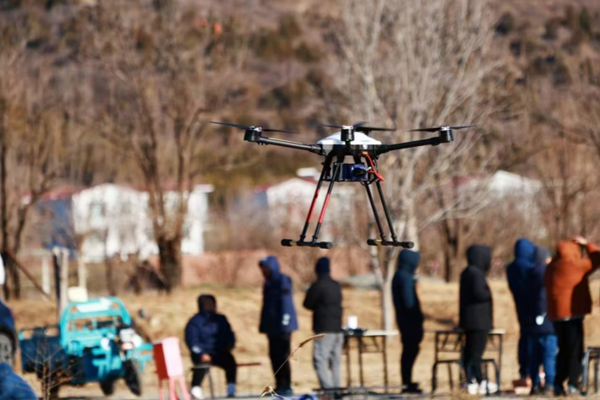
{"x":313,"y":148}
{"x":407,"y":145}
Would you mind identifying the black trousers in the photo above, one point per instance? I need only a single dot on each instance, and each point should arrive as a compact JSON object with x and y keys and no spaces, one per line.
{"x":223,"y":360}
{"x":570,"y":351}
{"x":475,"y":342}
{"x":279,"y":351}
{"x":411,"y":340}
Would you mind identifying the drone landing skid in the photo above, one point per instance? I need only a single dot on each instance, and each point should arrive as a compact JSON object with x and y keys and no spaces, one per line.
{"x":379,"y":242}
{"x":332,"y":177}
{"x":298,"y":243}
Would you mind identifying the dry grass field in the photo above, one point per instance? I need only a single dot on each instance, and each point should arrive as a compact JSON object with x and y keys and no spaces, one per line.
{"x":169,"y":314}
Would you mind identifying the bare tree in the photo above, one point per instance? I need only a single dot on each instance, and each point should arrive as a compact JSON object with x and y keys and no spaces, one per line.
{"x":157,"y":88}
{"x":33,"y":133}
{"x":415,"y":63}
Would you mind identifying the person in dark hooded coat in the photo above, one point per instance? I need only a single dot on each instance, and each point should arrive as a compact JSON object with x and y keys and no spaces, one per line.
{"x":210,"y":339}
{"x":278,"y":321}
{"x":409,"y":316}
{"x":517,"y":274}
{"x":12,"y":386}
{"x":543,"y":343}
{"x":476,"y":314}
{"x":324,"y":299}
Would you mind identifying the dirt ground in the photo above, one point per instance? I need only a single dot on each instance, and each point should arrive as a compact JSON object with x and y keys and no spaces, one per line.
{"x":167,"y":316}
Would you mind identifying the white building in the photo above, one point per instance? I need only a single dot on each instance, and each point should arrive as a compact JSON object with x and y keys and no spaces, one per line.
{"x":286,"y":205}
{"x":111,"y":220}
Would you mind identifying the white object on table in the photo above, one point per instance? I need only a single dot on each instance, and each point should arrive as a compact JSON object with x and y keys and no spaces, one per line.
{"x":352,"y":322}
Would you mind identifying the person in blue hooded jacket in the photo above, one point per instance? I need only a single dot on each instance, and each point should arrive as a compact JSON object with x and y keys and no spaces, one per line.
{"x":210,"y":339}
{"x":278,"y":321}
{"x":543,"y":342}
{"x":12,"y":386}
{"x":409,"y":316}
{"x":517,"y":274}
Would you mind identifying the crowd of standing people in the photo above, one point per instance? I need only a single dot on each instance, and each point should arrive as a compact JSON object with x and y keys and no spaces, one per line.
{"x":551,"y":296}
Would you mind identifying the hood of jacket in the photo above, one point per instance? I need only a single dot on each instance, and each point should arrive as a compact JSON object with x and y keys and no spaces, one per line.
{"x":524,"y":261}
{"x":272,"y":264}
{"x":541,"y":255}
{"x":480,"y":257}
{"x":323,"y":268}
{"x":568,"y":251}
{"x":408,"y":261}
{"x":525,"y":250}
{"x":201,"y":301}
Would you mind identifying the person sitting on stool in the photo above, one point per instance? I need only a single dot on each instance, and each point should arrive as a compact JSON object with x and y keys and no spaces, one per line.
{"x":210,"y":339}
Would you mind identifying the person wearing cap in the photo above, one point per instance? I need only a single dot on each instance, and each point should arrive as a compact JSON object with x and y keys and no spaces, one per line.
{"x":409,"y":316}
{"x":324,"y":299}
{"x":278,"y":321}
{"x":210,"y":339}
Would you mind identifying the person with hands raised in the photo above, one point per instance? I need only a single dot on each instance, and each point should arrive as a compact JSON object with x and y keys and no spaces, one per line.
{"x":569,"y":301}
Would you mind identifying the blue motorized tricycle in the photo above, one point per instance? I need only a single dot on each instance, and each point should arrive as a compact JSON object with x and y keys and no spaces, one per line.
{"x":94,"y":342}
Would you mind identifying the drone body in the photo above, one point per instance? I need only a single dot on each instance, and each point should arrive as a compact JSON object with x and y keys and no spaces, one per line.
{"x":352,"y":141}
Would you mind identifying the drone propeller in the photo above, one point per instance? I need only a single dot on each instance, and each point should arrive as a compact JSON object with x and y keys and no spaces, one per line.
{"x":337,"y":126}
{"x":359,"y":127}
{"x":438,"y":128}
{"x":374,"y":129}
{"x":246,"y":127}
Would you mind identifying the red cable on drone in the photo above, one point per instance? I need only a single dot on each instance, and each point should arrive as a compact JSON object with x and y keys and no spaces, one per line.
{"x":374,"y":171}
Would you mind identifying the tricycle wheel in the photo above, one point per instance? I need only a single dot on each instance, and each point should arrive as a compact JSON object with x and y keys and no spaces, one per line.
{"x":6,"y":349}
{"x":133,"y":377}
{"x":108,"y":387}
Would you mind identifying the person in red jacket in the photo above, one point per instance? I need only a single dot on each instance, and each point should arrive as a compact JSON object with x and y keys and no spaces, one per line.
{"x":569,"y":300}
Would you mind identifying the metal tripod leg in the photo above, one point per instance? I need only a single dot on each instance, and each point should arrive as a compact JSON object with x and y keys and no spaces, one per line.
{"x":383,"y":241}
{"x":375,"y":213}
{"x":385,"y":210}
{"x":336,"y":169}
{"x":326,"y":168}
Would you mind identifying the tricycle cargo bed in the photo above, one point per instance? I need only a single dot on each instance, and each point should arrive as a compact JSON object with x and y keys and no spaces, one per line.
{"x":40,"y":348}
{"x":95,"y":342}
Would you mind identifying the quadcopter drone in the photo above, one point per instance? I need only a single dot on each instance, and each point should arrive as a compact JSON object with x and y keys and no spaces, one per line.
{"x":352,"y":141}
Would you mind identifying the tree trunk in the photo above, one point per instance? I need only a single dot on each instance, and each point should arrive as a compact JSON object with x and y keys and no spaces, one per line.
{"x":15,"y":279}
{"x":170,"y":261}
{"x":387,"y":306}
{"x":109,"y":269}
{"x":12,"y":286}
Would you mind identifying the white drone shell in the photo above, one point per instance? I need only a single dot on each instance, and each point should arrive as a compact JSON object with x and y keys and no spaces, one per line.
{"x":360,"y":139}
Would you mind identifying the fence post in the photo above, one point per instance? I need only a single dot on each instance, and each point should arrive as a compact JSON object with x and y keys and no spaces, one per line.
{"x":46,"y":286}
{"x":81,"y":271}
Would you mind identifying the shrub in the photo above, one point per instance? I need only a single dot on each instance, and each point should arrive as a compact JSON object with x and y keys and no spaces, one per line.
{"x":551,"y":27}
{"x":307,"y":54}
{"x":561,"y":75}
{"x":506,"y":24}
{"x":538,"y":67}
{"x":291,"y":95}
{"x":289,"y":28}
{"x":269,"y":45}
